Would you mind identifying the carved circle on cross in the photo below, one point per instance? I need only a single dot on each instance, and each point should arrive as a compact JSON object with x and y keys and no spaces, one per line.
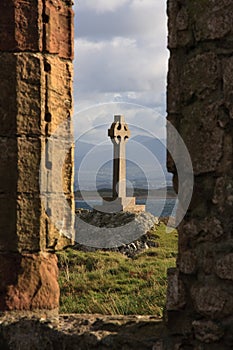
{"x":119,"y":132}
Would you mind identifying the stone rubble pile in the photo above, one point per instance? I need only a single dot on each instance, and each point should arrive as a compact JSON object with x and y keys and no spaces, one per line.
{"x":142,"y":223}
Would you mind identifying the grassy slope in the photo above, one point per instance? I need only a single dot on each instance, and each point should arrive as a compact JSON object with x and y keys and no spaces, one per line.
{"x":110,"y":283}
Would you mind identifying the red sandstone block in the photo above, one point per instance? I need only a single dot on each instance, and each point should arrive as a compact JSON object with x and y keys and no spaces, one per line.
{"x":28,"y":25}
{"x":35,"y":25}
{"x":28,"y":282}
{"x":59,"y":34}
{"x":21,"y":25}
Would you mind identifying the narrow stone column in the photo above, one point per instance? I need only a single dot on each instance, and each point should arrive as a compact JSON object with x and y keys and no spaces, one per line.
{"x":119,"y":134}
{"x":200,"y":96}
{"x":36,"y":51}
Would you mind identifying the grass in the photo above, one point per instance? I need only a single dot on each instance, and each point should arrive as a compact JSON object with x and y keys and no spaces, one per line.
{"x":109,"y":283}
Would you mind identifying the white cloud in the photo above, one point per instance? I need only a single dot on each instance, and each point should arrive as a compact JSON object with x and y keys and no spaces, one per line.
{"x":137,"y":19}
{"x":119,"y":65}
{"x":100,"y":6}
{"x":121,"y":56}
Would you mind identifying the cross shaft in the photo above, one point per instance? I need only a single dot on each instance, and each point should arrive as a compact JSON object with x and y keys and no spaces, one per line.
{"x":119,"y":134}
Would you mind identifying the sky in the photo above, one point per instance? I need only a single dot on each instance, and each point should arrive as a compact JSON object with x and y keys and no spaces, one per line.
{"x":120,"y":66}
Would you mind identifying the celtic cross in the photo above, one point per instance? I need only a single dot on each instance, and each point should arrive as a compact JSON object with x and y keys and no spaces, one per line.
{"x":119,"y":134}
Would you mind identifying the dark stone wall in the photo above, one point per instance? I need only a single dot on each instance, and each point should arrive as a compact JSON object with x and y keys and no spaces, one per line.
{"x":200,"y":106}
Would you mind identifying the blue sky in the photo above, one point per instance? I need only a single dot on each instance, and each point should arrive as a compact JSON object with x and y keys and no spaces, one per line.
{"x":120,"y":56}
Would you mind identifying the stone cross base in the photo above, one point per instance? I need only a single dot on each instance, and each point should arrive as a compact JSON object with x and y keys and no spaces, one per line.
{"x":112,"y":205}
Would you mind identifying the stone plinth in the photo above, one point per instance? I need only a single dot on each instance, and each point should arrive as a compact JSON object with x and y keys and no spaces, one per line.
{"x":111,"y":205}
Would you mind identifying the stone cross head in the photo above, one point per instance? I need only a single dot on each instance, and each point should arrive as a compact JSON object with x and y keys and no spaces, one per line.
{"x":119,"y":131}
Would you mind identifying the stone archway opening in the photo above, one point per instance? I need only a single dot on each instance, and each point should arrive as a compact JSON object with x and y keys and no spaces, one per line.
{"x":200,"y":295}
{"x":110,"y":120}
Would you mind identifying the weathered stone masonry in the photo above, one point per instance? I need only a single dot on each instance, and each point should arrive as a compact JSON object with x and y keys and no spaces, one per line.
{"x":35,"y":67}
{"x":200,"y":106}
{"x":36,"y":51}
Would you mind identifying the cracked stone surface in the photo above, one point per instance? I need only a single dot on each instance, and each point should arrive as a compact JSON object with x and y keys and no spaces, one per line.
{"x":80,"y":332}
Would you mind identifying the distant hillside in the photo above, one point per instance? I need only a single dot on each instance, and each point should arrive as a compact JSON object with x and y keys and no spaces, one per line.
{"x":155,"y":146}
{"x":146,"y":163}
{"x":138,"y":193}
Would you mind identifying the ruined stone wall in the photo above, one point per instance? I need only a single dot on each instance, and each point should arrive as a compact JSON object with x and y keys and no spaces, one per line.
{"x":36,"y":51}
{"x":200,"y":106}
{"x":36,"y":97}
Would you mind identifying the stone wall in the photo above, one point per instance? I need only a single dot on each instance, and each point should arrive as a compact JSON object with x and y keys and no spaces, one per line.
{"x":36,"y":51}
{"x":81,"y":332}
{"x":200,"y":105}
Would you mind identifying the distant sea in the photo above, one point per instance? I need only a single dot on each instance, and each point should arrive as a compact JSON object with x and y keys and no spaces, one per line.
{"x":158,"y":207}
